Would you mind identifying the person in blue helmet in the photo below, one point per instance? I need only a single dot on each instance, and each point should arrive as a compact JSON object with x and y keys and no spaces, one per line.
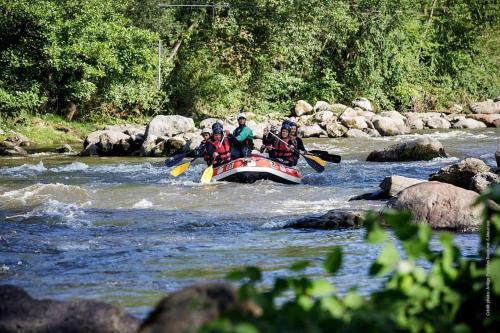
{"x":241,"y":139}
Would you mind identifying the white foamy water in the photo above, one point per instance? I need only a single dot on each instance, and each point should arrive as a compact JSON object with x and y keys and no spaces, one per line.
{"x":75,"y":166}
{"x":143,"y":204}
{"x":23,"y":170}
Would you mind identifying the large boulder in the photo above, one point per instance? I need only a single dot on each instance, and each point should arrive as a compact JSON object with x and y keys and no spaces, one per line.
{"x":392,"y":185}
{"x":113,"y":143}
{"x":258,"y":130}
{"x":357,"y":122}
{"x":461,"y":173}
{"x":169,"y":126}
{"x":496,"y":123}
{"x":482,"y":181}
{"x":333,"y":219}
{"x":437,"y":123}
{"x":311,"y":131}
{"x":469,"y":123}
{"x":423,"y":148}
{"x":348,"y":113}
{"x":362,"y":103}
{"x":414,"y":121}
{"x":324,"y":117}
{"x":335,"y":130}
{"x":356,"y":133}
{"x":338,"y":108}
{"x":322,"y":106}
{"x":20,"y":313}
{"x":19,"y":139}
{"x":486,"y":107}
{"x":443,"y":206}
{"x":207,"y":123}
{"x":302,"y":108}
{"x":387,"y":126}
{"x":487,"y":119}
{"x":175,"y":145}
{"x":64,"y":149}
{"x":192,"y":307}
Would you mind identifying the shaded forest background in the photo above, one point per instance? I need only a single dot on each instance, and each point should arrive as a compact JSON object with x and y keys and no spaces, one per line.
{"x":100,"y":57}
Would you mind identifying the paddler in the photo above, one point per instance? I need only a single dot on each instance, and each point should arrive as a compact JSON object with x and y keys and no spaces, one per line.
{"x":217,"y":152}
{"x":201,"y":149}
{"x":241,"y":139}
{"x":300,"y":144}
{"x":283,"y":149}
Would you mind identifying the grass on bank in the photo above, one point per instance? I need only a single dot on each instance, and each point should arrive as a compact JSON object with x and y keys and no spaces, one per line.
{"x":49,"y":129}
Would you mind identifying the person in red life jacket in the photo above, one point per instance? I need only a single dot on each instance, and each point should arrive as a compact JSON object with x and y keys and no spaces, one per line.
{"x":201,"y":149}
{"x":218,"y":152}
{"x":283,"y":149}
{"x":241,"y":139}
{"x":300,"y":144}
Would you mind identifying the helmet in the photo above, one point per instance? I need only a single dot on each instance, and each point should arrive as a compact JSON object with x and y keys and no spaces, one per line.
{"x":217,"y":128}
{"x":241,"y":114}
{"x":286,"y":127}
{"x":206,"y":130}
{"x":288,"y":122}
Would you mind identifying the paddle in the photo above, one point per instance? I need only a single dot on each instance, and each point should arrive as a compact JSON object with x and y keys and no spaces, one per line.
{"x":206,"y":177}
{"x":174,"y":160}
{"x":180,"y":169}
{"x":314,"y":162}
{"x":326,"y":156}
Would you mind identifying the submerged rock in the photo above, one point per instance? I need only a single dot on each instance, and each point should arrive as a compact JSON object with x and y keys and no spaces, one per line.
{"x":443,"y":206}
{"x":461,"y":173}
{"x":424,"y":148}
{"x":333,"y":219}
{"x":392,"y":185}
{"x":20,"y":313}
{"x":192,"y":307}
{"x":497,"y":157}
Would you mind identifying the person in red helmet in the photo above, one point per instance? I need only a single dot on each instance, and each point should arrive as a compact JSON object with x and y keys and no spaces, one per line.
{"x":218,"y":149}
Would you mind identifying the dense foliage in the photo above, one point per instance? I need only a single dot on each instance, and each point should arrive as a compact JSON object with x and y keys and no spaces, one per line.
{"x":262,"y":54}
{"x":427,"y":289}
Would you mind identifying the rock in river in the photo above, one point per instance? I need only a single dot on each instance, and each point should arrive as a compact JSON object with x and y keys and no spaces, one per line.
{"x":392,"y":185}
{"x":333,"y":219}
{"x":442,"y":206}
{"x":461,"y":173}
{"x":424,"y":148}
{"x":190,"y":308}
{"x":20,"y":313}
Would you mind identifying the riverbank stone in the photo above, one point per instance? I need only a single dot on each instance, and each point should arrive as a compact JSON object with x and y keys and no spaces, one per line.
{"x":443,"y":206}
{"x":480,"y":182}
{"x":392,"y":185}
{"x":10,"y":149}
{"x":302,"y":108}
{"x":65,"y":148}
{"x":362,"y":103}
{"x":192,"y":307}
{"x":461,"y":173}
{"x":333,"y":219}
{"x":356,"y":133}
{"x":486,"y":107}
{"x":423,"y":148}
{"x":21,"y":313}
{"x":469,"y":123}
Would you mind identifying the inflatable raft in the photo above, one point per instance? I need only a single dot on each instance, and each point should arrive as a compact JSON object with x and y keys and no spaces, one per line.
{"x":256,"y":167}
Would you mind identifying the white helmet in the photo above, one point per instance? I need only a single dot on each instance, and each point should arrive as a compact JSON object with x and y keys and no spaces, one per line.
{"x":206,"y":130}
{"x":241,"y":114}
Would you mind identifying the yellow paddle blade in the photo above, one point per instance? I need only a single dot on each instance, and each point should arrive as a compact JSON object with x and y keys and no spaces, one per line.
{"x":316,"y":159}
{"x":179,"y":170}
{"x":206,"y":177}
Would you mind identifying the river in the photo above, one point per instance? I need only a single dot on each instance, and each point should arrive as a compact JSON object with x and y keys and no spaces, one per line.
{"x":122,"y":230}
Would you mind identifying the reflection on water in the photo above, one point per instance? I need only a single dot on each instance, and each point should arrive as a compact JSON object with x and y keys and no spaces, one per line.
{"x":123,"y":230}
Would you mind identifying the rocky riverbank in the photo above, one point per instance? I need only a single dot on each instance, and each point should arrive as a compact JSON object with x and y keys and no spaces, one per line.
{"x":168,"y":135}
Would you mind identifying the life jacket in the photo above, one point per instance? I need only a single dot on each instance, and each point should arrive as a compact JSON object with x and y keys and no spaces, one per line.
{"x":224,"y":151}
{"x":281,"y":149}
{"x":246,"y":142}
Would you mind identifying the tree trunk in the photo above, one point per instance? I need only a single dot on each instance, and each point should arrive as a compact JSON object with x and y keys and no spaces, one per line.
{"x":71,"y":111}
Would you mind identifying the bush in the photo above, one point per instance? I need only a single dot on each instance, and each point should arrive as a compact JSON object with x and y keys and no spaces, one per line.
{"x":451,"y":294}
